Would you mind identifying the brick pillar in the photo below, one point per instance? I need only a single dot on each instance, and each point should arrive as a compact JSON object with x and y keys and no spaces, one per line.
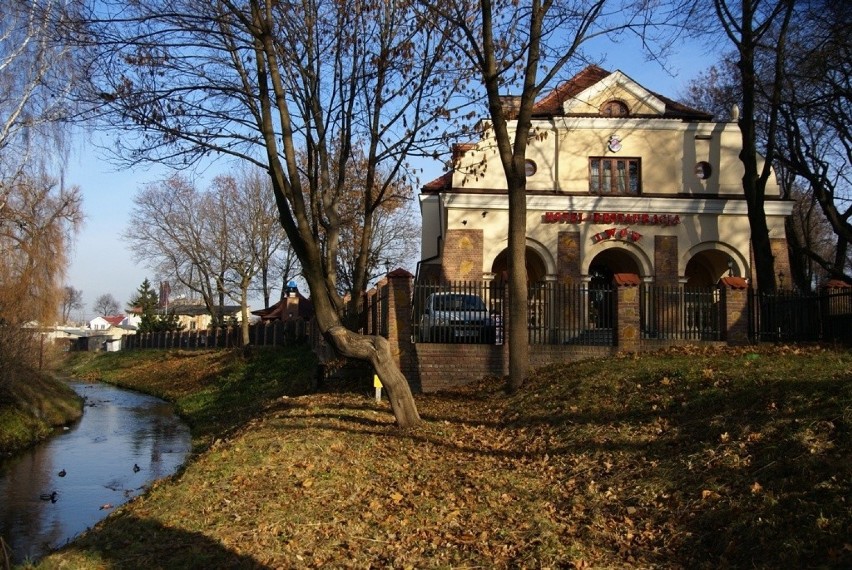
{"x":568,"y":258}
{"x":400,"y":287}
{"x":462,"y":255}
{"x":734,"y":299}
{"x":626,"y":327}
{"x":782,"y":262}
{"x":665,"y":260}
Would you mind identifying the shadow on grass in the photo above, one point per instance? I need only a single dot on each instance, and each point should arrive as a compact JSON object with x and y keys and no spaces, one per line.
{"x":741,"y":474}
{"x":130,"y":542}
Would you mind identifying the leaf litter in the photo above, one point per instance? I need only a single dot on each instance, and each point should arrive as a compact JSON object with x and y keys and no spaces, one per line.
{"x":687,"y":458}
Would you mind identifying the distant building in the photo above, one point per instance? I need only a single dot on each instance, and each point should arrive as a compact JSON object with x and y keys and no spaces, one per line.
{"x":196,"y":316}
{"x":106,"y":322}
{"x":293,"y":305}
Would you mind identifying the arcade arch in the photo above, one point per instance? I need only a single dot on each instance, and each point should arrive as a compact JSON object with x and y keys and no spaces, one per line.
{"x":706,"y":263}
{"x":539,"y":263}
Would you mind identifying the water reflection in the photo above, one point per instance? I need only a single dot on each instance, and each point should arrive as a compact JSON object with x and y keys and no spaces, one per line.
{"x":124,"y":441}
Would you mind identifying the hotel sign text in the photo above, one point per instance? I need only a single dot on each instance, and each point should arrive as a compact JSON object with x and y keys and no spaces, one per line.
{"x":610,"y":218}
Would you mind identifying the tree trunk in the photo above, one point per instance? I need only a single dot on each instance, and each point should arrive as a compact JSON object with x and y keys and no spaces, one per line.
{"x":244,"y":321}
{"x":753,"y":188}
{"x":376,"y":350}
{"x":519,"y":361}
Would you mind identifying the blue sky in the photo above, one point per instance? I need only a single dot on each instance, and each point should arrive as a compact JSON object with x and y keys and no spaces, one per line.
{"x":101,"y":262}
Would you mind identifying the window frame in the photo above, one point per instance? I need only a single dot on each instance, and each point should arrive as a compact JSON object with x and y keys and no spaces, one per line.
{"x":606,"y":110}
{"x":613,"y":161}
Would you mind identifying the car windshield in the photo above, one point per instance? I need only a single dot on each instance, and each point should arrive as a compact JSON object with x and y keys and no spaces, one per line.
{"x":458,"y":302}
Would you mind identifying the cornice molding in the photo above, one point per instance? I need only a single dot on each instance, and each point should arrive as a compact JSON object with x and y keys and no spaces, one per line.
{"x":679,"y":205}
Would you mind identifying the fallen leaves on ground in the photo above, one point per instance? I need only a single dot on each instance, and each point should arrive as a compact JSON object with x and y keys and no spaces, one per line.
{"x":681,"y":459}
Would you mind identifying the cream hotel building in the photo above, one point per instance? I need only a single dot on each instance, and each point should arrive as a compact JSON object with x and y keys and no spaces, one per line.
{"x":620,"y":180}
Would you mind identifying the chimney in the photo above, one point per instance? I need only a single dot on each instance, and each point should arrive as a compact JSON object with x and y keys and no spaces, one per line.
{"x":511,"y":105}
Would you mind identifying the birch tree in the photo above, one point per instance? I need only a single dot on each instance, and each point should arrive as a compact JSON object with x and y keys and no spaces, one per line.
{"x":38,"y":214}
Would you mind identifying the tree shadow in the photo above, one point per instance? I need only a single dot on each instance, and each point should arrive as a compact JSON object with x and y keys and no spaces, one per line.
{"x":126,"y":541}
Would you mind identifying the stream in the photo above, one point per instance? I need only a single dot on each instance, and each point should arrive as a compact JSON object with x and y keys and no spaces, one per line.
{"x":51,"y":493}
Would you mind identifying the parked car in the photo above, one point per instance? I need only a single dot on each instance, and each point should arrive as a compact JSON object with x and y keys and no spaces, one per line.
{"x":456,"y":317}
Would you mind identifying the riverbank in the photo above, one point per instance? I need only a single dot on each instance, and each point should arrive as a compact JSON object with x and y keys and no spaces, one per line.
{"x":214,"y":391}
{"x":690,"y":458}
{"x":33,"y":406}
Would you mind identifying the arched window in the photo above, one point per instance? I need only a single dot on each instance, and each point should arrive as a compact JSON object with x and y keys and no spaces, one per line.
{"x":614,"y":108}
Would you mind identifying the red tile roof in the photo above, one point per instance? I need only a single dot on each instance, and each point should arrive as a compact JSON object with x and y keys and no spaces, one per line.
{"x":443,"y":182}
{"x":734,"y":282}
{"x":626,"y":279}
{"x":551,"y":104}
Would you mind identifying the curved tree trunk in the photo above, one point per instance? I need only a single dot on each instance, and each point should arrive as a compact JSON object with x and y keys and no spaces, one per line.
{"x":376,"y":350}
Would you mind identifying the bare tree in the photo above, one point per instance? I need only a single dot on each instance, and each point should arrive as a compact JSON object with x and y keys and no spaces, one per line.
{"x":178,"y":231}
{"x":277,"y":263}
{"x":263,"y":81}
{"x":801,"y":117}
{"x":72,"y":300}
{"x":106,"y":304}
{"x":525,"y":46}
{"x":245,"y":232}
{"x":815,"y":113}
{"x":754,"y":26}
{"x":36,"y":74}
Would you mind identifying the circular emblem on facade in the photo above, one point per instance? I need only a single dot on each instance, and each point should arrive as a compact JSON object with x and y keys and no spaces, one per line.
{"x":614,"y":143}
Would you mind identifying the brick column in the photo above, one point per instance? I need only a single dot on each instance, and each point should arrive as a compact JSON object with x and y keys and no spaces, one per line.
{"x":665,"y":260}
{"x":734,"y":299}
{"x":462,"y":255}
{"x":627,"y":324}
{"x":568,"y":258}
{"x":400,"y":287}
{"x":782,"y":263}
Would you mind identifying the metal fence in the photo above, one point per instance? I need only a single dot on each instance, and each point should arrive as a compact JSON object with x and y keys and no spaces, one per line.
{"x":790,"y":316}
{"x":274,"y":333}
{"x":571,"y":314}
{"x":473,"y":312}
{"x":458,"y":312}
{"x":680,"y":313}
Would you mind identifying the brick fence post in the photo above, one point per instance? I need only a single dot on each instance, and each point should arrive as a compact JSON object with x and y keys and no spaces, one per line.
{"x":400,"y":288}
{"x":734,"y":299}
{"x":627,"y":325}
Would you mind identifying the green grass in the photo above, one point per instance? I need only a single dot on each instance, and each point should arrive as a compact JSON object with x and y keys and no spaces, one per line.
{"x":32,"y":407}
{"x":689,"y":458}
{"x":215,"y":391}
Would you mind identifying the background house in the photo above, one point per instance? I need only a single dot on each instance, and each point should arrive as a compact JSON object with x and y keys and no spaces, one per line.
{"x":195,"y":316}
{"x":105,"y":322}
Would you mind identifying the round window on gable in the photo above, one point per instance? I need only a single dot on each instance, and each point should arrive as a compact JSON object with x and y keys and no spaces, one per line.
{"x":703,"y":170}
{"x":530,"y":168}
{"x":614,"y":108}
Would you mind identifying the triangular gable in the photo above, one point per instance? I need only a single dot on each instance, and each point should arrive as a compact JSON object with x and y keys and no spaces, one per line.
{"x":617,"y":86}
{"x":585,"y":93}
